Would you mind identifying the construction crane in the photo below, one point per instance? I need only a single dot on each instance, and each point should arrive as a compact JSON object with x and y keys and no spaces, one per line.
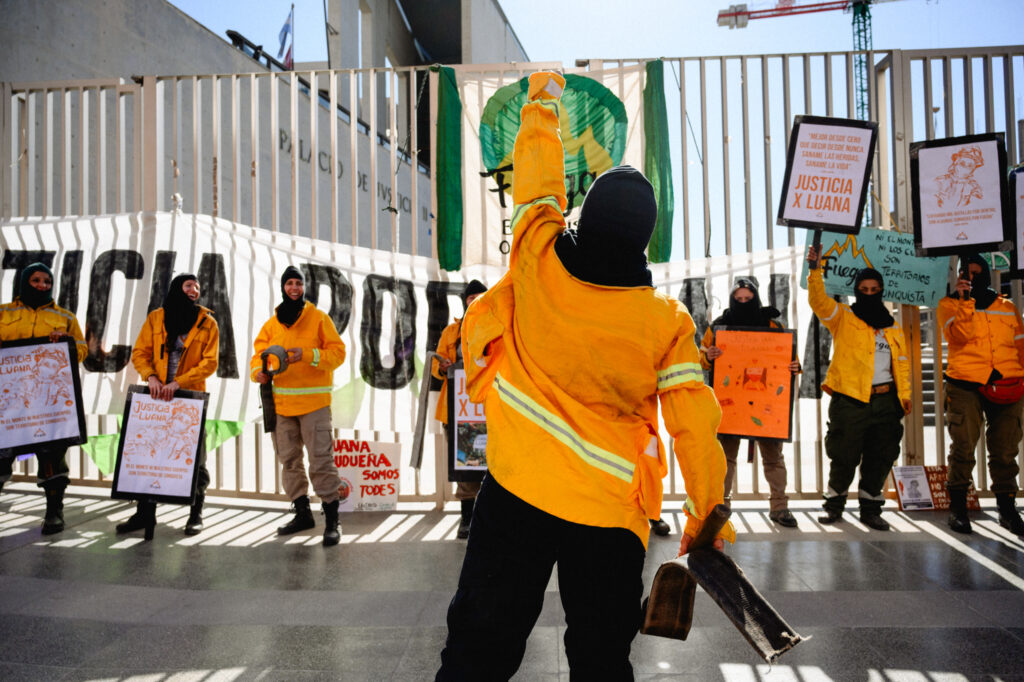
{"x":737,"y":16}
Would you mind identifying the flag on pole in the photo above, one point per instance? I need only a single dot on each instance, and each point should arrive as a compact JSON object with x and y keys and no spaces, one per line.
{"x":286,"y":31}
{"x":288,"y":64}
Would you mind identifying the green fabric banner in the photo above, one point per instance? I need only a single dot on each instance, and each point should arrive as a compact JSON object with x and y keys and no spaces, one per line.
{"x":657,"y":160}
{"x":449,"y":171}
{"x":102,"y":449}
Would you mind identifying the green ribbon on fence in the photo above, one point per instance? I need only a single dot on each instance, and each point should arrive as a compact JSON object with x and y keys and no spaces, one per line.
{"x":102,"y":448}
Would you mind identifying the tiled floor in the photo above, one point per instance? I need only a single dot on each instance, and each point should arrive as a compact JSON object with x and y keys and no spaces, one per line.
{"x":917,"y":604}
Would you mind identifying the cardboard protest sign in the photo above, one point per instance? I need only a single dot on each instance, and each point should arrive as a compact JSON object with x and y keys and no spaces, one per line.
{"x":921,"y":487}
{"x":467,"y":431}
{"x":369,"y":473}
{"x":827,"y":170}
{"x":909,"y":278}
{"x":959,"y":195}
{"x":40,"y":396}
{"x":753,"y":383}
{"x":158,"y":446}
{"x":1016,"y":191}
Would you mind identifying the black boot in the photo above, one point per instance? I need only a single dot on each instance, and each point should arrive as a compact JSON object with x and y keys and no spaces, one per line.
{"x":1009,"y":517}
{"x":303,"y":519}
{"x":53,"y":522}
{"x":136,"y":521}
{"x":194,"y":525}
{"x":958,"y":520}
{"x":332,"y":532}
{"x":467,"y":517}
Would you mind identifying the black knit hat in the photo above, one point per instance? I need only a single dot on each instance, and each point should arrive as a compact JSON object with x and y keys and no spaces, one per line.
{"x":868,"y":273}
{"x":472,"y":289}
{"x":291,"y":272}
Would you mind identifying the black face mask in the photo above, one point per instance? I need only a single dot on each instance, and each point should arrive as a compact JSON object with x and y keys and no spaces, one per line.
{"x":180,"y":312}
{"x":981,"y":283}
{"x":871,"y":309}
{"x":746,"y":314}
{"x":290,"y":309}
{"x":28,"y":294}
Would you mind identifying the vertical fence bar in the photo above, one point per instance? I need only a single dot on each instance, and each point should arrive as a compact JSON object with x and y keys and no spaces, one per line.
{"x":332,"y":96}
{"x":47,"y":157}
{"x":371,"y":76}
{"x":293,"y":103}
{"x":704,"y":156}
{"x":147,"y":149}
{"x":850,"y":104}
{"x":314,"y":146}
{"x":101,"y":149}
{"x":685,"y":175}
{"x":929,"y":123}
{"x":1009,"y":105}
{"x":769,"y":217}
{"x":414,"y":163}
{"x":392,"y":102}
{"x":254,"y":139}
{"x":828,"y":84}
{"x":139,"y":178}
{"x":748,"y":220}
{"x":787,"y":116}
{"x":8,"y":158}
{"x":726,"y":195}
{"x":66,"y":149}
{"x":275,"y":145}
{"x":215,"y":144}
{"x":969,"y":95}
{"x":236,"y":152}
{"x":947,"y":98}
{"x":353,"y":151}
{"x":175,"y":136}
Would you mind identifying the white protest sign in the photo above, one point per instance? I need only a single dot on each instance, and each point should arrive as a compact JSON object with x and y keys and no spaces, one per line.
{"x":369,"y":473}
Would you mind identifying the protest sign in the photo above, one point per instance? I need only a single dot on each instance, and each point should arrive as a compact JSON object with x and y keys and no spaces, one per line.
{"x":467,"y":431}
{"x":369,"y":473}
{"x":827,"y":169}
{"x":909,"y":278}
{"x":958,"y":188}
{"x":921,"y":487}
{"x":158,"y":446}
{"x":753,"y":382}
{"x":40,"y":396}
{"x":1016,"y":190}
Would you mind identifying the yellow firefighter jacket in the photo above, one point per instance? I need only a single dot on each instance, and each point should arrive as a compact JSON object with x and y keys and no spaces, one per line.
{"x":198,"y":361}
{"x":571,"y":373}
{"x":18,"y":321}
{"x":853,"y":357}
{"x":306,"y":385}
{"x":982,"y":340}
{"x":446,"y":348}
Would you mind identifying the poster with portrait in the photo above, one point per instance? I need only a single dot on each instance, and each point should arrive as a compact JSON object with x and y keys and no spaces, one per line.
{"x":158,"y":446}
{"x":1015,"y":185}
{"x":40,"y":396}
{"x":467,"y":431}
{"x":924,"y":488}
{"x":369,"y":473}
{"x":959,"y":194}
{"x":828,"y":166}
{"x":753,"y":382}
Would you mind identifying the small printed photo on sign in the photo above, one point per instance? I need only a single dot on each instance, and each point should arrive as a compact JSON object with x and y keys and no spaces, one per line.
{"x":467,"y":431}
{"x":1016,"y":189}
{"x":159,"y":446}
{"x":828,"y":165}
{"x":924,"y":487}
{"x":753,"y":382}
{"x":40,"y":396}
{"x":370,"y":474}
{"x":959,"y":191}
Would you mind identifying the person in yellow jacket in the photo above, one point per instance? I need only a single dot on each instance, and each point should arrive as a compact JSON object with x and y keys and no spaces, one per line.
{"x":571,"y":352}
{"x":302,"y":398}
{"x":449,"y":347}
{"x":745,"y":310}
{"x":177,"y":347}
{"x":986,"y":346}
{"x":869,"y":381}
{"x":33,"y":314}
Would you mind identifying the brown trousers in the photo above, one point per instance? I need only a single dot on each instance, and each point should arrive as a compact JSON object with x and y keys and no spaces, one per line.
{"x":772,"y":462}
{"x":313,"y":430}
{"x":966,"y":412}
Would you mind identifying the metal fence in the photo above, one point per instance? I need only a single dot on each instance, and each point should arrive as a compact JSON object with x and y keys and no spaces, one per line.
{"x":337,"y":156}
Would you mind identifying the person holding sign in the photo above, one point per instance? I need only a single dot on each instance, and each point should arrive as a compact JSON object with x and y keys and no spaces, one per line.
{"x":302,"y":398}
{"x":177,"y":348}
{"x":33,"y":314}
{"x":571,"y":352}
{"x":869,"y":381}
{"x":984,"y":387}
{"x":745,"y":310}
{"x":449,"y":347}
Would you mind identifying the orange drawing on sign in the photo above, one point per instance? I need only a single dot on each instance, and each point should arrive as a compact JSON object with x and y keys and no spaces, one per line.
{"x":957,"y":185}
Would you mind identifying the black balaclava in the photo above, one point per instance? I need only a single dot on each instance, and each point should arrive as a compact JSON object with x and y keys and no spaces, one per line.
{"x":616,"y":223}
{"x":870,"y":309}
{"x":289,"y":310}
{"x":473,"y":288}
{"x":749,"y":314}
{"x":981,"y":290}
{"x":180,"y":312}
{"x":28,"y":294}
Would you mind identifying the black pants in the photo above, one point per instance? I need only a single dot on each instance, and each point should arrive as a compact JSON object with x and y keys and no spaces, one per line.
{"x":51,"y":468}
{"x":511,"y":551}
{"x":865,"y":434}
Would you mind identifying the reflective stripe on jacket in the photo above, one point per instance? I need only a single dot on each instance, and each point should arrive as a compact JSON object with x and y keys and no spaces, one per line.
{"x":982,"y":340}
{"x":571,"y":373}
{"x":198,"y":361}
{"x":306,"y":385}
{"x":18,"y":321}
{"x":853,"y":355}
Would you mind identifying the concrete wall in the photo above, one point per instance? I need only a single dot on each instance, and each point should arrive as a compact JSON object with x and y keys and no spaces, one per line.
{"x":487,"y":37}
{"x":75,"y":39}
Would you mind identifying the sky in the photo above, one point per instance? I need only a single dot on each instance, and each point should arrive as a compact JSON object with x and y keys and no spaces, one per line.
{"x":566,"y":30}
